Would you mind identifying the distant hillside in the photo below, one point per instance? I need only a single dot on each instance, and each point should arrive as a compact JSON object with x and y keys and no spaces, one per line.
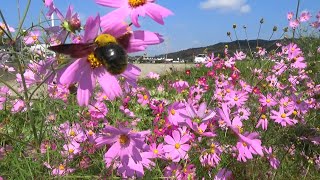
{"x":218,"y":48}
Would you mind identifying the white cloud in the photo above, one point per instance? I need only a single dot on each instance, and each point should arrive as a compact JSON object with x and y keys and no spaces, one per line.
{"x":226,"y":5}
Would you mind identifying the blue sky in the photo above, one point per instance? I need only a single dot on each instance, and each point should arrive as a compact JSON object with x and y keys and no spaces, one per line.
{"x":196,"y":23}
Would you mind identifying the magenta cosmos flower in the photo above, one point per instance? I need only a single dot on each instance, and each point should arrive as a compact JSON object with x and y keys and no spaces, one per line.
{"x":176,"y":147}
{"x":125,"y":144}
{"x":134,"y":9}
{"x":86,"y":70}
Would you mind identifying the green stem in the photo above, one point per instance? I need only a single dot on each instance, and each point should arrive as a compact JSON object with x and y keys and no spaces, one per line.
{"x":8,"y":33}
{"x":23,"y":19}
{"x":297,"y":11}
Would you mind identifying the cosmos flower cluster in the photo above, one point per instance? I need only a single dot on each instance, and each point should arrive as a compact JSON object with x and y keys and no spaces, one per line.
{"x":175,"y":127}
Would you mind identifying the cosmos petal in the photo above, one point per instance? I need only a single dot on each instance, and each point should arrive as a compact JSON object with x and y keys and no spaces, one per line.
{"x":134,"y":18}
{"x":85,"y":88}
{"x":108,"y":82}
{"x":71,"y":73}
{"x":113,"y":152}
{"x":92,"y":29}
{"x":116,"y":16}
{"x":176,"y":136}
{"x":140,"y":39}
{"x":111,"y":3}
{"x":184,"y":139}
{"x":168,"y":139}
{"x":202,"y":109}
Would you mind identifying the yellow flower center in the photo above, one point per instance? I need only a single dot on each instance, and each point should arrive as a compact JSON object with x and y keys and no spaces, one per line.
{"x":173,"y":112}
{"x":295,"y":112}
{"x":71,"y":151}
{"x":240,"y":129}
{"x":263,"y":116}
{"x":177,"y":145}
{"x":244,"y":144}
{"x":228,"y":90}
{"x":156,"y":151}
{"x":105,"y":97}
{"x":236,"y":98}
{"x":61,"y":167}
{"x":283,"y":115}
{"x":123,"y":139}
{"x":136,"y":3}
{"x":90,"y":133}
{"x":200,"y":131}
{"x":268,"y":100}
{"x":35,"y":38}
{"x":72,"y":133}
{"x":94,"y":62}
{"x":145,"y":97}
{"x":285,"y":103}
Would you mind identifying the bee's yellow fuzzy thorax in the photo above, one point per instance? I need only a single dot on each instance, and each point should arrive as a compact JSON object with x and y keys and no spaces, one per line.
{"x":104,"y":39}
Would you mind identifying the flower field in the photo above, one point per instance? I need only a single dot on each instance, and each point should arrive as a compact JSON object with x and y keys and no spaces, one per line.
{"x":84,"y":113}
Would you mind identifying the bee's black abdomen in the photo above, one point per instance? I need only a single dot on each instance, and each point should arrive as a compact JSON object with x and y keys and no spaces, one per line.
{"x":113,"y":56}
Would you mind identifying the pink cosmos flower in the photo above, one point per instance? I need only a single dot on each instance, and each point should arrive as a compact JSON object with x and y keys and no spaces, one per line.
{"x":82,"y":72}
{"x":294,"y":23}
{"x":197,"y":115}
{"x":72,"y":132}
{"x":69,"y":23}
{"x":58,"y":91}
{"x":32,"y":37}
{"x":263,"y":122}
{"x":153,"y":75}
{"x":305,"y":16}
{"x":143,"y":99}
{"x":125,"y":144}
{"x":279,"y":67}
{"x":240,"y":55}
{"x":282,"y":117}
{"x":176,"y":147}
{"x":157,"y":150}
{"x":180,"y":85}
{"x":290,"y":15}
{"x":18,"y":106}
{"x":98,"y":110}
{"x":248,"y":145}
{"x":71,"y":149}
{"x":174,"y":113}
{"x":274,"y":162}
{"x":211,"y":156}
{"x":11,"y":29}
{"x":61,"y":170}
{"x":134,"y":9}
{"x":30,"y":78}
{"x":243,"y":113}
{"x":173,"y":171}
{"x":236,"y":98}
{"x":210,"y":60}
{"x":268,"y":100}
{"x":230,"y":62}
{"x":223,"y":174}
{"x":47,"y":145}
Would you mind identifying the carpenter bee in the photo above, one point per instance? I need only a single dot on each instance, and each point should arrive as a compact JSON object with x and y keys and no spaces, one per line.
{"x":105,"y":50}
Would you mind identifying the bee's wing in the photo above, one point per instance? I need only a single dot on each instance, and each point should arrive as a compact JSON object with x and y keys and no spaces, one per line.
{"x":124,"y":40}
{"x":74,"y":50}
